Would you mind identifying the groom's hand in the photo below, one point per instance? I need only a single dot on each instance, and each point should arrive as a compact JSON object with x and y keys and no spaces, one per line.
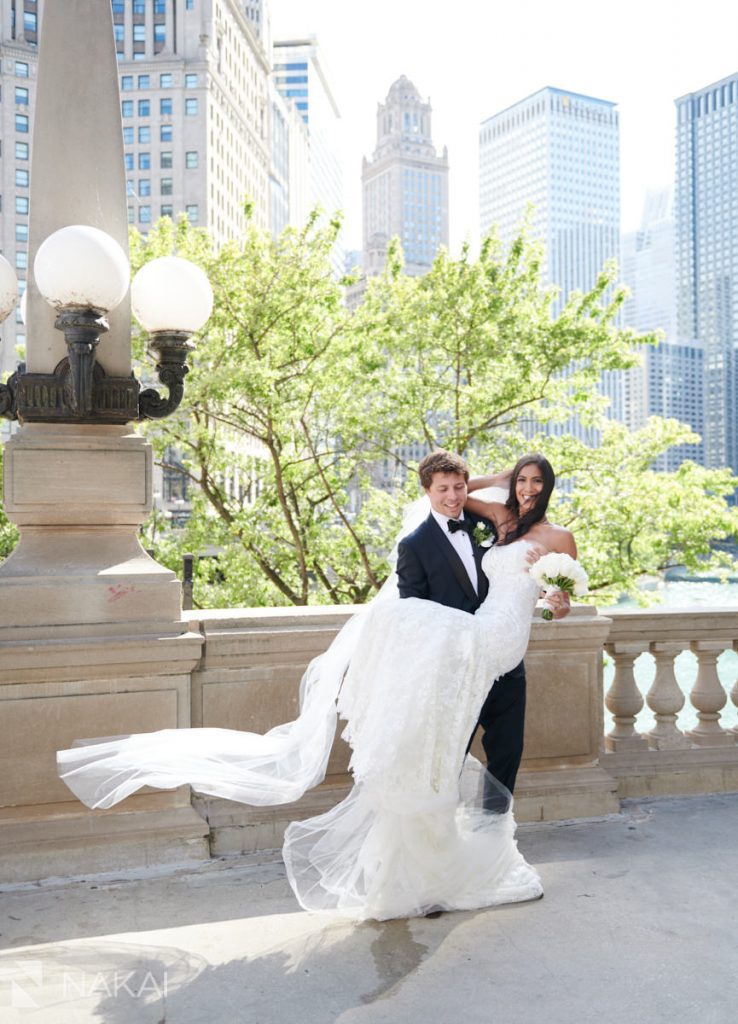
{"x":534,"y":552}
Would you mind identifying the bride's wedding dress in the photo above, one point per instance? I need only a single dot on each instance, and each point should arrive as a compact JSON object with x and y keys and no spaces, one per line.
{"x":412,"y":835}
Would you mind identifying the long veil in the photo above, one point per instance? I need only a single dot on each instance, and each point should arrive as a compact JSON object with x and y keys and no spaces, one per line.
{"x":276,"y":767}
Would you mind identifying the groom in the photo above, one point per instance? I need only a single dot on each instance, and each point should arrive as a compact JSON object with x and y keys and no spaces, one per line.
{"x":439,"y":561}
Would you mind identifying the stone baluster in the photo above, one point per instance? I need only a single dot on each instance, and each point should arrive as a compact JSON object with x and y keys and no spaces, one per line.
{"x":709,"y":697}
{"x":665,"y":699}
{"x":734,"y":698}
{"x":624,"y":699}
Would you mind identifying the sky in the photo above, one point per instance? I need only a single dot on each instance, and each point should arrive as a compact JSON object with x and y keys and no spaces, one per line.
{"x":473,"y":58}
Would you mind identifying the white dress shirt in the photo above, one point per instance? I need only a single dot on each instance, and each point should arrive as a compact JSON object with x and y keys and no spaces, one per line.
{"x":462,"y":543}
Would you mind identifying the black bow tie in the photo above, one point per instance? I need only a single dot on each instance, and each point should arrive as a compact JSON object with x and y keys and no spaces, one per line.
{"x":460,"y":524}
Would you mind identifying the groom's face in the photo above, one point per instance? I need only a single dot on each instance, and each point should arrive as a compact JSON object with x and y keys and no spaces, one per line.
{"x":447,"y":494}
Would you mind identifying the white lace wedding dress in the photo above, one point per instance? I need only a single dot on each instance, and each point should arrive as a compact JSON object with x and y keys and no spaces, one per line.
{"x":412,"y":835}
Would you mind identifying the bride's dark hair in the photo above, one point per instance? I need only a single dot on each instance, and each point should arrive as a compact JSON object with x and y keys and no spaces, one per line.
{"x":536,"y":514}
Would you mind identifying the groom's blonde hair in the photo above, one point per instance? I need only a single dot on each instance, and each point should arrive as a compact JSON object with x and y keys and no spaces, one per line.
{"x":441,"y":462}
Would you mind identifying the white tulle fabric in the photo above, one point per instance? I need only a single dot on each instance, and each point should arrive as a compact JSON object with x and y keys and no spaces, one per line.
{"x":412,"y":834}
{"x":276,"y":767}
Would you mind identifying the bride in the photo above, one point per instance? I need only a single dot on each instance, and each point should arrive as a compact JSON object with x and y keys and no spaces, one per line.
{"x":409,"y":677}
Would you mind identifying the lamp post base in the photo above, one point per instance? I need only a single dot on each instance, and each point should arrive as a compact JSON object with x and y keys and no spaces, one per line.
{"x":78,"y":496}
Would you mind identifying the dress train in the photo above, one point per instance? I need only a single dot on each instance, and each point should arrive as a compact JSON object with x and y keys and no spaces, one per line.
{"x":412,"y":835}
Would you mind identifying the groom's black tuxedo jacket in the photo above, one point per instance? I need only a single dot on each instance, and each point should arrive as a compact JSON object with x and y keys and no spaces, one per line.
{"x":428,"y":567}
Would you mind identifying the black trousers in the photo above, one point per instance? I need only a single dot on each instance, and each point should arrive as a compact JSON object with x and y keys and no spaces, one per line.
{"x":503,"y":719}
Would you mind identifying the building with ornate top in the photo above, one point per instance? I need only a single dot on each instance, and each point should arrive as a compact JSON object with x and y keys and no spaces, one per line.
{"x":405,"y":184}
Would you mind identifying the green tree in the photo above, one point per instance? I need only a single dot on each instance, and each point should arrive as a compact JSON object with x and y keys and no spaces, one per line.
{"x":629,"y":520}
{"x":474,"y":354}
{"x":268,"y":432}
{"x":296,"y":410}
{"x":8,"y":532}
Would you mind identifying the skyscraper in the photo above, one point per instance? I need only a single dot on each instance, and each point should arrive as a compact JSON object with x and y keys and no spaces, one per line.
{"x":195,"y":105}
{"x":289,"y":175}
{"x":300,"y":76}
{"x":557,"y":153}
{"x":707,"y":252}
{"x":405,"y":184}
{"x":669,"y":381}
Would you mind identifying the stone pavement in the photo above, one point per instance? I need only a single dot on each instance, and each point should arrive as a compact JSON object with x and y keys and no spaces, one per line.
{"x":638,"y":926}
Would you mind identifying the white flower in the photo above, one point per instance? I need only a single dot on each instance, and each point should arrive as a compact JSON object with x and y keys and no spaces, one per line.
{"x":560,"y":569}
{"x":483,"y":535}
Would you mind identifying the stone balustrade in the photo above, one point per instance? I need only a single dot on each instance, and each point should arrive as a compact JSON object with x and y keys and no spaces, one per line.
{"x":664,"y":757}
{"x":240,"y":668}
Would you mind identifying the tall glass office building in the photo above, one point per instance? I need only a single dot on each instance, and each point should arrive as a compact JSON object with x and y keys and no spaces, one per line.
{"x":557,"y":153}
{"x":669,"y":380}
{"x":300,"y":77}
{"x":707,"y":253}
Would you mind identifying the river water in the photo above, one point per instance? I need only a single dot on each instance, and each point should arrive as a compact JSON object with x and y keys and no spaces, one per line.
{"x":680,"y":594}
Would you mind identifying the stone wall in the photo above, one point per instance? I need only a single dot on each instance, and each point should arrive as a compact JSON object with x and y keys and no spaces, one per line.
{"x":240,"y":669}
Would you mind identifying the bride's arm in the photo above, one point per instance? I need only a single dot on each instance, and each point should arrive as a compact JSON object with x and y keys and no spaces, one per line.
{"x":493,"y":510}
{"x":476,"y":483}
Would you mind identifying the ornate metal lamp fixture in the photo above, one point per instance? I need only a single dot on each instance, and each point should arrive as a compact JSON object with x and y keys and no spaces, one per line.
{"x":83,"y":273}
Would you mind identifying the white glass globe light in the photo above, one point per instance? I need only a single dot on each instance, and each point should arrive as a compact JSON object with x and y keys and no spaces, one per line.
{"x":171,"y":294}
{"x":8,"y":289}
{"x":81,"y":266}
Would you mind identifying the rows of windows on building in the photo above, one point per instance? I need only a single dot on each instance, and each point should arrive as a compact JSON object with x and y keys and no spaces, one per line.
{"x":148,"y":119}
{"x":560,"y":151}
{"x":154,"y":102}
{"x":555,"y":148}
{"x":291,"y":79}
{"x":553,"y":158}
{"x":20,"y":76}
{"x":706,"y":221}
{"x":195,"y":116}
{"x":404,"y":184}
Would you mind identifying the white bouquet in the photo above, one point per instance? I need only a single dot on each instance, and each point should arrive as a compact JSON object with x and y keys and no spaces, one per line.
{"x":556,"y":571}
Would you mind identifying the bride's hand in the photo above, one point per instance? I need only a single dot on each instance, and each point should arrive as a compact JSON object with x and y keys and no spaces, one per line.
{"x":560,"y":604}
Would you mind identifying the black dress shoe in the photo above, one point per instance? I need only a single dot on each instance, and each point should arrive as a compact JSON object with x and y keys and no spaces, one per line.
{"x":433,"y":914}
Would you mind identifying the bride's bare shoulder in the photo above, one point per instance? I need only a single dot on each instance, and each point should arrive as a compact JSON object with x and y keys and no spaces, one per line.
{"x":558,"y":538}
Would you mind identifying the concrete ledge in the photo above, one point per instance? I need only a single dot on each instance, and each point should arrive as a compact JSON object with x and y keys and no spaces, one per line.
{"x":235,"y":828}
{"x":56,"y":660}
{"x":85,"y":842}
{"x":561,"y":794}
{"x":673,"y":772}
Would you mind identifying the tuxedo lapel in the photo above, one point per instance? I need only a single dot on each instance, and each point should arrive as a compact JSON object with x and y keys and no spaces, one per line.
{"x":482,"y":581}
{"x":455,"y":563}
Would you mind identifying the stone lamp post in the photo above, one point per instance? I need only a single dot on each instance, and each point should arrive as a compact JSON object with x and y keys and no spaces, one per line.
{"x":83,"y":273}
{"x":92,"y":640}
{"x":77,"y":479}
